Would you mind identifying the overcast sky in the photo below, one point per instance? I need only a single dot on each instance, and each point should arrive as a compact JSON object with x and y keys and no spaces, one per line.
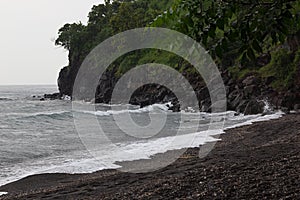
{"x":28,"y":29}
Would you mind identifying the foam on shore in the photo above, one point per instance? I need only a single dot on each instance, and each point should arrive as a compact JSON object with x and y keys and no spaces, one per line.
{"x":132,"y":151}
{"x":3,"y":193}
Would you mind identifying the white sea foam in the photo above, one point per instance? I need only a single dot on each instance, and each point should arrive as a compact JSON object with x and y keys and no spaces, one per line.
{"x":131,"y":151}
{"x":46,"y":113}
{"x":151,"y":108}
{"x":3,"y":193}
{"x":66,"y":98}
{"x":119,"y":153}
{"x":259,"y":118}
{"x":59,"y":112}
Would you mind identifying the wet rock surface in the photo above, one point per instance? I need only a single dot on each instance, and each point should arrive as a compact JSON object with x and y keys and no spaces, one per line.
{"x":244,"y":96}
{"x":241,"y":92}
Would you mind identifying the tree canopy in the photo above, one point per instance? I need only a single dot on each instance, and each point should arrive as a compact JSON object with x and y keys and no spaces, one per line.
{"x":249,"y":27}
{"x":235,"y":32}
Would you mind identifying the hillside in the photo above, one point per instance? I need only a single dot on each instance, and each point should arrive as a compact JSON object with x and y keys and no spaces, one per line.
{"x":256,"y":46}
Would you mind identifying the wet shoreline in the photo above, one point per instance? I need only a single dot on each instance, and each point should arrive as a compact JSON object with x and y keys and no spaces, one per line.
{"x":255,"y":161}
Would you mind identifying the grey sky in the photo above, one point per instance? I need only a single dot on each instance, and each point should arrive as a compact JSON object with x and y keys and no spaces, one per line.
{"x":28,"y":29}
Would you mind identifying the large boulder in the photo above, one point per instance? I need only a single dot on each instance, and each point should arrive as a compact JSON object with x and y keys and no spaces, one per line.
{"x":254,"y":107}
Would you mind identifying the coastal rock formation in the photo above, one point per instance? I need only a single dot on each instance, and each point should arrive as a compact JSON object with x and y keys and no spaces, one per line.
{"x":244,"y":96}
{"x":272,"y":76}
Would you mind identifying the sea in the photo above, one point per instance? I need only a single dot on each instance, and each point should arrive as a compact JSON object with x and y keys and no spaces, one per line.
{"x":45,"y":136}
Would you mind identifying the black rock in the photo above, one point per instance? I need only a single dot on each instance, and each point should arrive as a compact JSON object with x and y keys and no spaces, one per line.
{"x":254,"y":107}
{"x":52,"y":96}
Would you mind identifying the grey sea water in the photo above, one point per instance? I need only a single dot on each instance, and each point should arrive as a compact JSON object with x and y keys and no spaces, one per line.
{"x":41,"y":137}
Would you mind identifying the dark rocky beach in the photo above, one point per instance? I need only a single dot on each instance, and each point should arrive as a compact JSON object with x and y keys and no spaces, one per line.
{"x":259,"y":161}
{"x":255,"y":49}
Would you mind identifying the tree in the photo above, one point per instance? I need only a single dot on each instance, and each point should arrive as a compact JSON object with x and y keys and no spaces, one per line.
{"x":243,"y":26}
{"x":69,"y":35}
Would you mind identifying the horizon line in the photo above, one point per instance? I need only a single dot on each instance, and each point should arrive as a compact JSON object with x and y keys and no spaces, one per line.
{"x":29,"y":84}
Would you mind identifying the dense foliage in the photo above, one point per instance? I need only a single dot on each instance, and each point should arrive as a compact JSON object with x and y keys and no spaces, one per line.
{"x":106,"y":20}
{"x":245,"y":27}
{"x":236,"y":33}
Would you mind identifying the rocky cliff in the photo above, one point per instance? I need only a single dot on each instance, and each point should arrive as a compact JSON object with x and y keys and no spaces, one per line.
{"x":246,"y":94}
{"x":254,"y":70}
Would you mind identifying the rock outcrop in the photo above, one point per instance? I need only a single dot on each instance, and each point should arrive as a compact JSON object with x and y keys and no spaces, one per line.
{"x":244,"y":95}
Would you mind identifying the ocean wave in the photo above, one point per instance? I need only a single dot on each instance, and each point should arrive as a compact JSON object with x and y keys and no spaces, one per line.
{"x":108,"y":157}
{"x":257,"y":118}
{"x":147,"y":109}
{"x":69,"y":113}
{"x":3,"y":193}
{"x":50,"y":114}
{"x":6,"y":99}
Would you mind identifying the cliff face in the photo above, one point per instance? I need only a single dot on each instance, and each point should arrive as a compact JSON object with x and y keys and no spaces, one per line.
{"x":67,"y":75}
{"x":244,"y":95}
{"x":273,"y":76}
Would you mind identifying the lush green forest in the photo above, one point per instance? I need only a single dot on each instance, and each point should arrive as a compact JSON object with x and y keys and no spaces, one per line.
{"x":106,"y":20}
{"x":259,"y":37}
{"x":237,"y":32}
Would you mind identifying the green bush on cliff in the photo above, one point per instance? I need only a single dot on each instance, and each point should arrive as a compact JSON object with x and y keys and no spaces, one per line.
{"x":282,"y":68}
{"x":243,"y":27}
{"x":106,"y":20}
{"x":234,"y":32}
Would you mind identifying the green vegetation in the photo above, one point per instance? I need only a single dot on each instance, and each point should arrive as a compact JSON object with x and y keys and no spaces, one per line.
{"x":245,"y":27}
{"x":106,"y":20}
{"x":235,"y":33}
{"x":283,"y":68}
